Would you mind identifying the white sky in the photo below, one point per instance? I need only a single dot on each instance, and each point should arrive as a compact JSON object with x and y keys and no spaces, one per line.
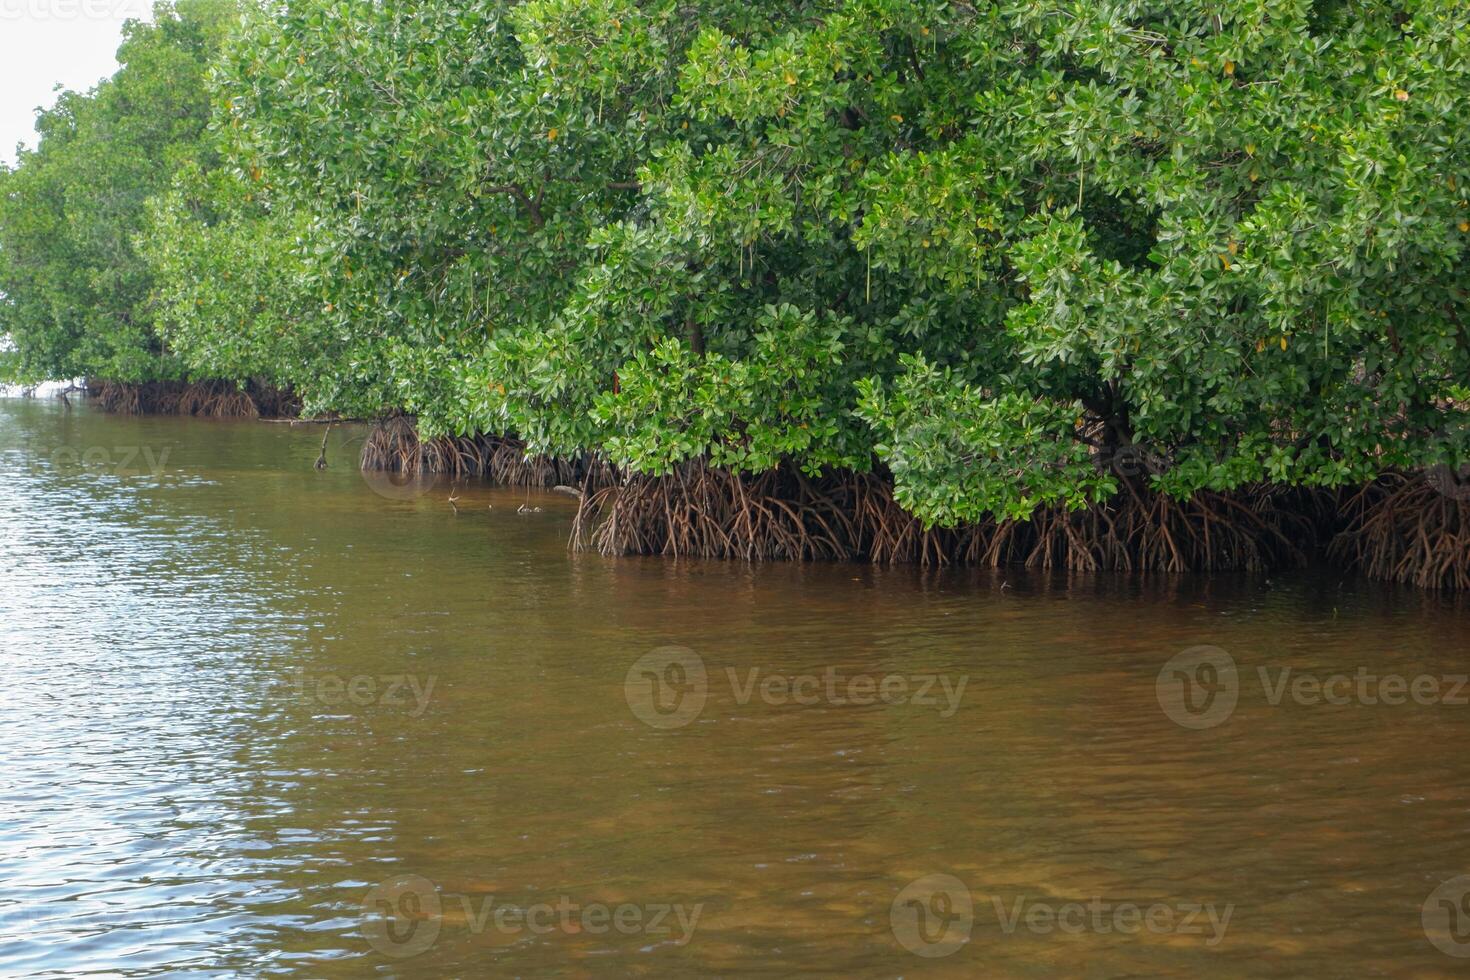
{"x":43,"y":42}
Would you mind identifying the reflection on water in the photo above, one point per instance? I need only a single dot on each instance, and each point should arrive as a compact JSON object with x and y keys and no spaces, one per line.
{"x":243,"y":701}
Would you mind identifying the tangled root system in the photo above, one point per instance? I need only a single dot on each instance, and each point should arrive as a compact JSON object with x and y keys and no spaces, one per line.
{"x":1143,"y":530}
{"x":394,"y":445}
{"x":272,"y":402}
{"x":123,"y":398}
{"x":783,"y":514}
{"x":204,"y":399}
{"x":703,"y":511}
{"x":1412,"y":528}
{"x":216,"y":399}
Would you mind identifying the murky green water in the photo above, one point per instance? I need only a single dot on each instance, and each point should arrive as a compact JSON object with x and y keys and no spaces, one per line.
{"x":257,"y":719}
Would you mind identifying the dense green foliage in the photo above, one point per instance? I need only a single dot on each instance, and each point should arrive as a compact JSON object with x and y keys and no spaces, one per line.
{"x":984,"y":247}
{"x":74,"y":288}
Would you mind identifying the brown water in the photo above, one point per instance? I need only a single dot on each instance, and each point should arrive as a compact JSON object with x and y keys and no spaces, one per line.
{"x":257,"y":719}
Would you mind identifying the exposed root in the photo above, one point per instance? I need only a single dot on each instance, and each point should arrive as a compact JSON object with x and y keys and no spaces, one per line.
{"x":272,"y":402}
{"x":702,"y":511}
{"x":1143,"y":530}
{"x":510,"y":465}
{"x":783,"y":514}
{"x":394,"y":445}
{"x":216,"y":399}
{"x":123,"y":398}
{"x":205,"y":399}
{"x":888,"y":534}
{"x":1408,"y":528}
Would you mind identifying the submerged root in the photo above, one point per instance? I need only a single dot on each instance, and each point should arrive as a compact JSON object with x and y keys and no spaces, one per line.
{"x":1412,"y":528}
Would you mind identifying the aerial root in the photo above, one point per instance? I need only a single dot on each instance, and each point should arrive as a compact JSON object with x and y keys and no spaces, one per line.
{"x":204,"y":399}
{"x":1408,"y":527}
{"x":702,"y":511}
{"x":708,"y":512}
{"x":1141,"y":529}
{"x":394,"y":444}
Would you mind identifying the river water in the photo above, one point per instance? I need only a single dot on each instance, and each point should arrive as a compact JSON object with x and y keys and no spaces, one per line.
{"x":259,"y":719}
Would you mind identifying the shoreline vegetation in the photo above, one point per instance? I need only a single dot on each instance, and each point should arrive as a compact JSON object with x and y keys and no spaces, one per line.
{"x":1073,"y":286}
{"x":1412,"y":528}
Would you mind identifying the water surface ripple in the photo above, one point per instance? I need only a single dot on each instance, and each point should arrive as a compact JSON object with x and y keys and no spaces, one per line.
{"x":257,"y":719}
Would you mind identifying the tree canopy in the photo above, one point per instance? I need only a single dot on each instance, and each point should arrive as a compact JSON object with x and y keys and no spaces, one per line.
{"x":979,"y":247}
{"x":74,"y":287}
